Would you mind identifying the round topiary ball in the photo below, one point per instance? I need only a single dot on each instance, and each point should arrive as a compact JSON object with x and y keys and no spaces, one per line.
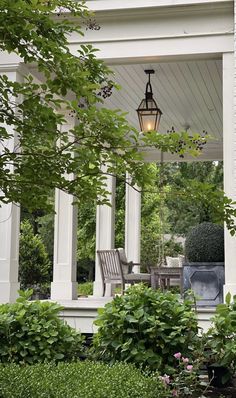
{"x":205,"y":243}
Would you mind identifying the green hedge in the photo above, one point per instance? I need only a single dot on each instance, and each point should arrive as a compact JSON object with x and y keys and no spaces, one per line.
{"x":77,"y":380}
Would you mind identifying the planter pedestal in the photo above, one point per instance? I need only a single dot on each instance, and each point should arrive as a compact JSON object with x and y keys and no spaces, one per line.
{"x":206,"y":280}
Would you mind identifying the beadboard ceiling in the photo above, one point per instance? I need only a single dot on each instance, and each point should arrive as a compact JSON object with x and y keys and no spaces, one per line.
{"x":189,"y":93}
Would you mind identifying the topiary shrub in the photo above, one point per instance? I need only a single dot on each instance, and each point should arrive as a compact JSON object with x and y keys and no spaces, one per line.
{"x":31,"y":331}
{"x":205,"y":243}
{"x":145,"y":327}
{"x":78,"y":380}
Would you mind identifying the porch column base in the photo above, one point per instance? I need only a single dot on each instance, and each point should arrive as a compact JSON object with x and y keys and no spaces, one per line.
{"x":230,"y":288}
{"x":64,"y":291}
{"x":97,"y":289}
{"x":9,"y":292}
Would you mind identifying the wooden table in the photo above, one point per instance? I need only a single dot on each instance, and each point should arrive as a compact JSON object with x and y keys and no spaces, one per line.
{"x":161,"y":276}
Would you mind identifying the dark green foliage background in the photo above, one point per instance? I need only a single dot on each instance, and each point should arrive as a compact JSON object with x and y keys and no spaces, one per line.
{"x":34,"y":264}
{"x":221,"y":337}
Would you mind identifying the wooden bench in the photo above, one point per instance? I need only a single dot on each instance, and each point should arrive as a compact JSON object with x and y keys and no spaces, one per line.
{"x":115,"y":270}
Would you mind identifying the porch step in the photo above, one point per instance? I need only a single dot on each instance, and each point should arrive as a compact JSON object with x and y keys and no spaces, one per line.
{"x":204,"y":315}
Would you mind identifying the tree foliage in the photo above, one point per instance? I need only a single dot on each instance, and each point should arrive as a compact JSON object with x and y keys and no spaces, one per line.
{"x":192,"y":193}
{"x":34,"y":264}
{"x":46,"y":152}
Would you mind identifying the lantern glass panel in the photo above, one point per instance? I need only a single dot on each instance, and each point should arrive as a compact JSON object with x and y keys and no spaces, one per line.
{"x":149,"y":115}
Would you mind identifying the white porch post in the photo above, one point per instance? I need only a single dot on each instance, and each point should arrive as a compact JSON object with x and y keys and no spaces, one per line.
{"x":10,"y":221}
{"x":105,"y":234}
{"x":229,"y":137}
{"x":132,"y":224}
{"x":64,"y":285}
{"x":9,"y":252}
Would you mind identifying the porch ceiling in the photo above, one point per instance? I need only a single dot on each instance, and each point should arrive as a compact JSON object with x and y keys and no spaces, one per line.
{"x":189,"y":93}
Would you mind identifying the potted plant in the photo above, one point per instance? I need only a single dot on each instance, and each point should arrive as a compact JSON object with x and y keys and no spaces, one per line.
{"x":220,"y":341}
{"x":204,"y":269}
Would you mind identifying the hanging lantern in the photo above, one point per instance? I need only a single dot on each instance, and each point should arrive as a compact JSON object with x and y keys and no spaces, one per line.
{"x":148,"y":112}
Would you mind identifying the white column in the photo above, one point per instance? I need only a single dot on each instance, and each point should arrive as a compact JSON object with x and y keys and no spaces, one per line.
{"x":10,"y":219}
{"x":133,"y":224}
{"x":64,"y":285}
{"x":229,"y":137}
{"x":9,"y":252}
{"x":105,"y":234}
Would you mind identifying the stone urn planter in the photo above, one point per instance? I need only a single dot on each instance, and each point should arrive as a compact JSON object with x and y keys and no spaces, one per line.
{"x":204,"y":269}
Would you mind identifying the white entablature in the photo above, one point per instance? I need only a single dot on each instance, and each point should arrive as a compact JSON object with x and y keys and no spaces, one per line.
{"x":104,"y":5}
{"x":129,"y":34}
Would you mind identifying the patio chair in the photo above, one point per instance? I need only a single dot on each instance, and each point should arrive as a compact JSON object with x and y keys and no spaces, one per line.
{"x":116,"y":270}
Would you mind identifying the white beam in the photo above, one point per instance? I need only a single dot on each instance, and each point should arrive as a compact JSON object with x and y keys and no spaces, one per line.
{"x":141,"y":50}
{"x":104,"y":5}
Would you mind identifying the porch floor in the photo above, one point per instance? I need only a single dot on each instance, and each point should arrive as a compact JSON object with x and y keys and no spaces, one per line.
{"x":81,"y":313}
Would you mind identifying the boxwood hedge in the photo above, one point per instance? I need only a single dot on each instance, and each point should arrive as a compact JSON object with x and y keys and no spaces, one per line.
{"x":77,"y":380}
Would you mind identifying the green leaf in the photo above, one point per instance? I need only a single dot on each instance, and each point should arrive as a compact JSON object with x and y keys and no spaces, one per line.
{"x":228,"y":298}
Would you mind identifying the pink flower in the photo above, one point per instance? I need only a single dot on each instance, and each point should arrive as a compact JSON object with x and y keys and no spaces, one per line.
{"x":185,"y":360}
{"x":189,"y":368}
{"x":175,"y":393}
{"x":165,"y":379}
{"x":177,"y":355}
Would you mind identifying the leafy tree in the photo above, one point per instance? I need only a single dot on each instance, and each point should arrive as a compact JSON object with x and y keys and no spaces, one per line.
{"x":120,"y":213}
{"x":154,"y":221}
{"x":86,"y":240}
{"x":34,"y":264}
{"x":38,"y":31}
{"x":45,"y":227}
{"x":194,"y":195}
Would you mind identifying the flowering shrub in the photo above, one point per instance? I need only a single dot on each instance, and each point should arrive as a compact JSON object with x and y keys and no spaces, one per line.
{"x":184,"y":380}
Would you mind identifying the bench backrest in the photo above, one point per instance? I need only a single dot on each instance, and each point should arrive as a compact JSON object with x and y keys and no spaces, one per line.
{"x":110,"y":264}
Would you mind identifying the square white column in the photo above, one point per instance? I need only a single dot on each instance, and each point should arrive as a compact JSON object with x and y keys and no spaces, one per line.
{"x":10,"y":213}
{"x":9,"y":252}
{"x":64,"y":285}
{"x":229,"y":143}
{"x":132,"y":224}
{"x":105,"y":233}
